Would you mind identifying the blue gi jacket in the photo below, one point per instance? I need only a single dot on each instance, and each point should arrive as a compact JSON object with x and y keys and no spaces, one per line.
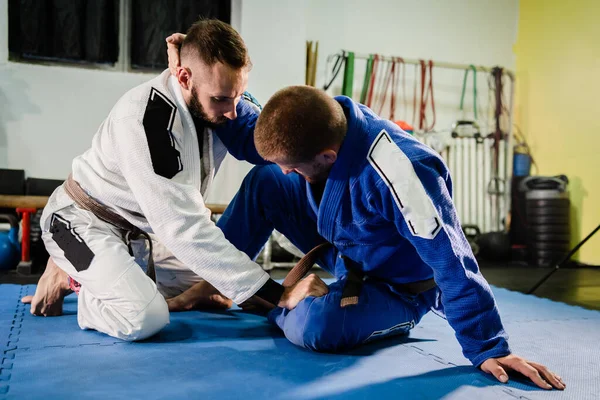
{"x":387,"y":205}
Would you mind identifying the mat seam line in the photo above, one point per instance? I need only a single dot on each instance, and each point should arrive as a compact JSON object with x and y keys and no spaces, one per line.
{"x":443,"y":361}
{"x":9,"y":353}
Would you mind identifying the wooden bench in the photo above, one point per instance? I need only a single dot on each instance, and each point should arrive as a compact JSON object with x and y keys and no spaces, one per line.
{"x":27,"y":205}
{"x":10,"y":201}
{"x":37,"y":202}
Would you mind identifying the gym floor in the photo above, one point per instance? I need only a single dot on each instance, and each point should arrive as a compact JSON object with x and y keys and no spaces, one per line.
{"x":575,"y":286}
{"x":248,"y":358}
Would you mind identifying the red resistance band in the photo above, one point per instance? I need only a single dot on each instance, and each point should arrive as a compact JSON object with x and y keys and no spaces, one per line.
{"x":426,"y":90}
{"x":372,"y":82}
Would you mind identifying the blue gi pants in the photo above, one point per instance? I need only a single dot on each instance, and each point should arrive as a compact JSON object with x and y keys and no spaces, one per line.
{"x":269,"y":200}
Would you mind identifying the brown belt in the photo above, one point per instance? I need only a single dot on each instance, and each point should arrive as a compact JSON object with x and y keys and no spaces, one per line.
{"x":305,"y":264}
{"x":354,"y":278}
{"x":132,"y":232}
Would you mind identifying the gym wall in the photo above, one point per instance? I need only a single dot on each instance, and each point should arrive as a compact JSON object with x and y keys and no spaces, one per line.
{"x":49,"y":114}
{"x":558,"y":61}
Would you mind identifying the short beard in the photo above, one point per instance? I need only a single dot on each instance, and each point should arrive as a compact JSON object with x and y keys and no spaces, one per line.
{"x":197,"y":111}
{"x":322,"y":172}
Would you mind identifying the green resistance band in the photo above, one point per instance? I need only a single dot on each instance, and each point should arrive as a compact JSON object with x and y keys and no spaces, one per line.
{"x":464,"y":87}
{"x":368,"y":73}
{"x":348,"y":75}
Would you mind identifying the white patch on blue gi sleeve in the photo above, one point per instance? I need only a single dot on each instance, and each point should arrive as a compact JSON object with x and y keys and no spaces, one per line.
{"x":394,"y":330}
{"x":398,"y":173}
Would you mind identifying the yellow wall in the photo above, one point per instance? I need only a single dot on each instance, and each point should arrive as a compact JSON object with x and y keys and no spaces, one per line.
{"x":558,"y":102}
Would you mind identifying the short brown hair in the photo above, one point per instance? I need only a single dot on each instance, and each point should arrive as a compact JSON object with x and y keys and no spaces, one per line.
{"x":215,"y":41}
{"x":298,"y":123}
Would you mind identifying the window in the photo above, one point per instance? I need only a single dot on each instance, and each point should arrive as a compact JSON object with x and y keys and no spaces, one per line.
{"x":84,"y":31}
{"x":118,"y":34}
{"x":152,"y":21}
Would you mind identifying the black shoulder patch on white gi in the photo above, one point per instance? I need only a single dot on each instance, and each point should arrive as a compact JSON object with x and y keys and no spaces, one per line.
{"x":398,"y":173}
{"x":158,"y":122}
{"x":76,"y":250}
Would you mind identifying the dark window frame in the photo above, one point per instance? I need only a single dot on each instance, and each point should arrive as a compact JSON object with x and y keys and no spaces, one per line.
{"x":124,"y":24}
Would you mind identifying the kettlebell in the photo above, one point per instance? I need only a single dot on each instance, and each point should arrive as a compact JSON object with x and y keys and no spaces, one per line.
{"x":10,"y":249}
{"x":472,"y":234}
{"x":494,"y":246}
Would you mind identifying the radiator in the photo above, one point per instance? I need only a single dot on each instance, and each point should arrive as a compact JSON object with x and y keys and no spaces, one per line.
{"x":479,"y":198}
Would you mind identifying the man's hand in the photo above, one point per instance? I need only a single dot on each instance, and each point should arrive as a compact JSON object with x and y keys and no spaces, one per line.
{"x":201,"y":296}
{"x":256,"y":305}
{"x":539,"y":374}
{"x":312,"y":285}
{"x":173,"y":43}
{"x":51,"y":290}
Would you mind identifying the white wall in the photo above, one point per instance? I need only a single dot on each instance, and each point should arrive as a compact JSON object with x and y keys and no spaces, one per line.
{"x":3,"y":32}
{"x":278,"y":60}
{"x":479,"y":32}
{"x":51,"y":113}
{"x":3,"y":61}
{"x":48,"y":115}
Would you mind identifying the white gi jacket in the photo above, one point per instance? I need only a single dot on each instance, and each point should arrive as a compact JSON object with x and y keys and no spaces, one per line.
{"x":145,"y":164}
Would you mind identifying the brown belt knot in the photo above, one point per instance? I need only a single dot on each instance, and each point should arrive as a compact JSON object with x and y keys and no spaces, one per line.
{"x":132,"y":232}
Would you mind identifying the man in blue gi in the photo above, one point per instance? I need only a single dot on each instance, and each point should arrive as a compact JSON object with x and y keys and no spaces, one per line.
{"x":383,"y":200}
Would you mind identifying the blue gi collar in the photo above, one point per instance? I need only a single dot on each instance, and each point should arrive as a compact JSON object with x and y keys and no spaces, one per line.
{"x":350,"y":157}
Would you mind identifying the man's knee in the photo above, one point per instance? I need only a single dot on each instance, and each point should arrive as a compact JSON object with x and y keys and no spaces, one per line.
{"x":317,"y":325}
{"x":148,"y":321}
{"x":125,"y":319}
{"x":262,"y":177}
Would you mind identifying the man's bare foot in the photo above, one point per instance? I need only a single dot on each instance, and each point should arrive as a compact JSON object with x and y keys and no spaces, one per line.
{"x":256,"y":304}
{"x":201,"y":296}
{"x":51,"y":290}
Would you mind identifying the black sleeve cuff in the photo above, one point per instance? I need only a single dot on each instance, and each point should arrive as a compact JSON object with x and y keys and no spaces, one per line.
{"x":271,"y":292}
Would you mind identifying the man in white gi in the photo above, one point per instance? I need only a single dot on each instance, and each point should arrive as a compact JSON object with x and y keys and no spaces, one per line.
{"x":144,"y":177}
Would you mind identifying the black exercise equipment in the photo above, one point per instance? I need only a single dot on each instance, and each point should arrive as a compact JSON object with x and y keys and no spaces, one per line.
{"x":547,"y":218}
{"x":564,"y":260}
{"x":494,"y":246}
{"x":12,"y":182}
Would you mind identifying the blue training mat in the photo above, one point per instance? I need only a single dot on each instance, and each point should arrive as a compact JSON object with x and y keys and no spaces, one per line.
{"x":230,"y":355}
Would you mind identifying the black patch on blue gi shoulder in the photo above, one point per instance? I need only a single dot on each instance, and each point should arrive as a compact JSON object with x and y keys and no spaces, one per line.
{"x":158,"y":122}
{"x":76,"y":250}
{"x":248,"y":97}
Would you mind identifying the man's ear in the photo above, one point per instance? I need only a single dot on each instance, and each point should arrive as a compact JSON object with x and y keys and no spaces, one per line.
{"x":328,"y":156}
{"x":184,"y":76}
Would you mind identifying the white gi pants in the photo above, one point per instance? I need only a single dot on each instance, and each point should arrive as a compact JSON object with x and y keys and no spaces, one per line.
{"x":116,"y":295}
